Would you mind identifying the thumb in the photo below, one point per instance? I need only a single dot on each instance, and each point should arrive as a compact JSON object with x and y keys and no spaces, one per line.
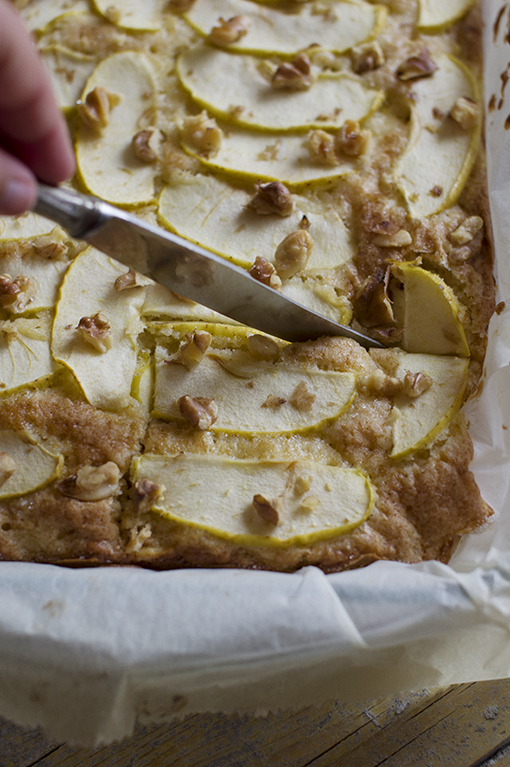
{"x":18,"y":190}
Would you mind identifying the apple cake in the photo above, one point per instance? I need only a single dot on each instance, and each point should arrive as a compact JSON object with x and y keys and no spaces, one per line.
{"x":333,"y":149}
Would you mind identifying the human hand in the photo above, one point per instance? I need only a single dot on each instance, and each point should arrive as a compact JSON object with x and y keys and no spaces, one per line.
{"x":34,"y":140}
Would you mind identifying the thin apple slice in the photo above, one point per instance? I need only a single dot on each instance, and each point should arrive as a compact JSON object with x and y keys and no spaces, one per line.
{"x":270,"y":404}
{"x":435,"y":15}
{"x":318,"y":296}
{"x":107,"y":162}
{"x":25,"y":356}
{"x":215,"y":214}
{"x":336,"y":26}
{"x":69,"y":71}
{"x":234,"y":88}
{"x":312,"y":501}
{"x":89,"y":288}
{"x":440,"y":155}
{"x":132,"y":14}
{"x":39,"y":14}
{"x":163,"y":303}
{"x":416,"y":421}
{"x":428,"y":312}
{"x":251,"y":156}
{"x":46,"y":276}
{"x":33,"y":467}
{"x":25,"y":226}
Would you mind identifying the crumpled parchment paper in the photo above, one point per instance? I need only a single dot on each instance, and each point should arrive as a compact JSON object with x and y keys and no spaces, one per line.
{"x":85,"y":652}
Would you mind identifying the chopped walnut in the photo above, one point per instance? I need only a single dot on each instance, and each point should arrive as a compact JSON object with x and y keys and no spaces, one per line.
{"x":263,"y":348}
{"x":145,"y":145}
{"x":310,"y":503}
{"x":293,"y":252}
{"x":302,"y":484}
{"x":373,"y":305}
{"x":230,"y":31}
{"x":180,"y":6}
{"x":379,"y":383}
{"x":131,"y":279}
{"x":400,"y":239}
{"x":17,"y":294}
{"x":294,"y":76}
{"x":138,"y":537}
{"x":304,"y":223}
{"x":269,"y":511}
{"x":302,"y":398}
{"x":50,"y":246}
{"x":272,"y":197}
{"x":146,"y":493}
{"x":416,"y":383}
{"x":321,"y":146}
{"x":263,"y":271}
{"x":96,"y":332}
{"x":367,"y":57}
{"x":466,"y":112}
{"x":203,"y":133}
{"x":466,"y":231}
{"x":92,"y":483}
{"x":95,"y":110}
{"x":200,"y":412}
{"x":351,"y":139}
{"x":7,"y":467}
{"x":272,"y":401}
{"x":192,"y":350}
{"x":417,"y":66}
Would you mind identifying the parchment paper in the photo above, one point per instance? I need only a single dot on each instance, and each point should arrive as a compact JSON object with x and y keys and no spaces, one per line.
{"x":85,"y":652}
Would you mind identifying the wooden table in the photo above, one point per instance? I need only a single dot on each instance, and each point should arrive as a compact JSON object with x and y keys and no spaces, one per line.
{"x":464,"y":725}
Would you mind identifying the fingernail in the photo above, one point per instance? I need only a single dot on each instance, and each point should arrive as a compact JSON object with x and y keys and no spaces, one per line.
{"x":17,"y":196}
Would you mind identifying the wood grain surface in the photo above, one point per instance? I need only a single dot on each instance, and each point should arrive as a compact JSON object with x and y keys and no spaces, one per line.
{"x":464,"y":725}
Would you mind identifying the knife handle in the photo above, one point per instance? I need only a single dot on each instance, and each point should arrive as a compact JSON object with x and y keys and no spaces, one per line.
{"x":75,"y":212}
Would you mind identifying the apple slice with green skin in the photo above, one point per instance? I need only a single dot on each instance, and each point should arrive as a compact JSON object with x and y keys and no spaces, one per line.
{"x":23,"y":227}
{"x":143,"y":379}
{"x":269,"y":404}
{"x":40,"y":14}
{"x":107,"y":162}
{"x":234,"y":88}
{"x":314,"y":501}
{"x":25,"y":356}
{"x":253,"y":156}
{"x":34,"y":467}
{"x":163,"y":303}
{"x":440,"y":155}
{"x":46,"y":276}
{"x":88,"y":288}
{"x":319,"y":296}
{"x":274,"y":31}
{"x":69,"y":71}
{"x":132,"y":14}
{"x":215,"y":214}
{"x":416,"y":421}
{"x":428,"y":312}
{"x":435,"y":15}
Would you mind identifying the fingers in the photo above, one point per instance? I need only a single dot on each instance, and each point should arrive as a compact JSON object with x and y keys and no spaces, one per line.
{"x":18,"y":189}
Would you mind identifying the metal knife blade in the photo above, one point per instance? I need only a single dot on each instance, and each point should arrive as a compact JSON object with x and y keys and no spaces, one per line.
{"x":186,"y":268}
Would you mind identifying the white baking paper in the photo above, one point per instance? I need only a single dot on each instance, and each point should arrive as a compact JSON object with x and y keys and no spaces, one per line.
{"x":84,"y":653}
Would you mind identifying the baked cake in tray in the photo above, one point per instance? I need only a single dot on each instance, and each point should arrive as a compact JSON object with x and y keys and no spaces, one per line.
{"x":333,"y":149}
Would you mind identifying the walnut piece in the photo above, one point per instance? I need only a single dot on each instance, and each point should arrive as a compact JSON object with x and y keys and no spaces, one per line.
{"x":373,"y":305}
{"x":272,"y":197}
{"x":229,"y":31}
{"x":92,"y":483}
{"x":96,"y":332}
{"x":272,"y":401}
{"x":400,"y":239}
{"x":417,"y":66}
{"x":7,"y":467}
{"x":269,"y":511}
{"x":200,"y":412}
{"x":50,"y":246}
{"x":144,"y":144}
{"x":465,"y":112}
{"x":263,"y":348}
{"x":131,"y":279}
{"x":302,"y":398}
{"x":192,"y":351}
{"x":310,"y":503}
{"x":466,"y":231}
{"x":146,"y":493}
{"x":17,"y":294}
{"x":351,"y":139}
{"x":321,"y":146}
{"x":294,"y":76}
{"x":367,"y":57}
{"x":416,"y":383}
{"x":263,"y":271}
{"x":379,"y":383}
{"x":203,"y":133}
{"x":293,"y":252}
{"x":95,"y":110}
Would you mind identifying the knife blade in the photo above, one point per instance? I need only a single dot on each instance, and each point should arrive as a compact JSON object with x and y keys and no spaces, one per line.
{"x":186,"y":268}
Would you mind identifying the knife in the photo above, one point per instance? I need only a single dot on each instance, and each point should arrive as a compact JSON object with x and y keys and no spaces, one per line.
{"x":186,"y":268}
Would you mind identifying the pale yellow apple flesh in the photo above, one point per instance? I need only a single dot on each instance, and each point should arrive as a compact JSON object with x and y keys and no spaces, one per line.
{"x":38,"y":16}
{"x":69,"y":71}
{"x":216,"y":494}
{"x":27,"y":225}
{"x":35,"y":467}
{"x":46,"y":276}
{"x":437,"y":14}
{"x":132,"y":14}
{"x":25,"y":356}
